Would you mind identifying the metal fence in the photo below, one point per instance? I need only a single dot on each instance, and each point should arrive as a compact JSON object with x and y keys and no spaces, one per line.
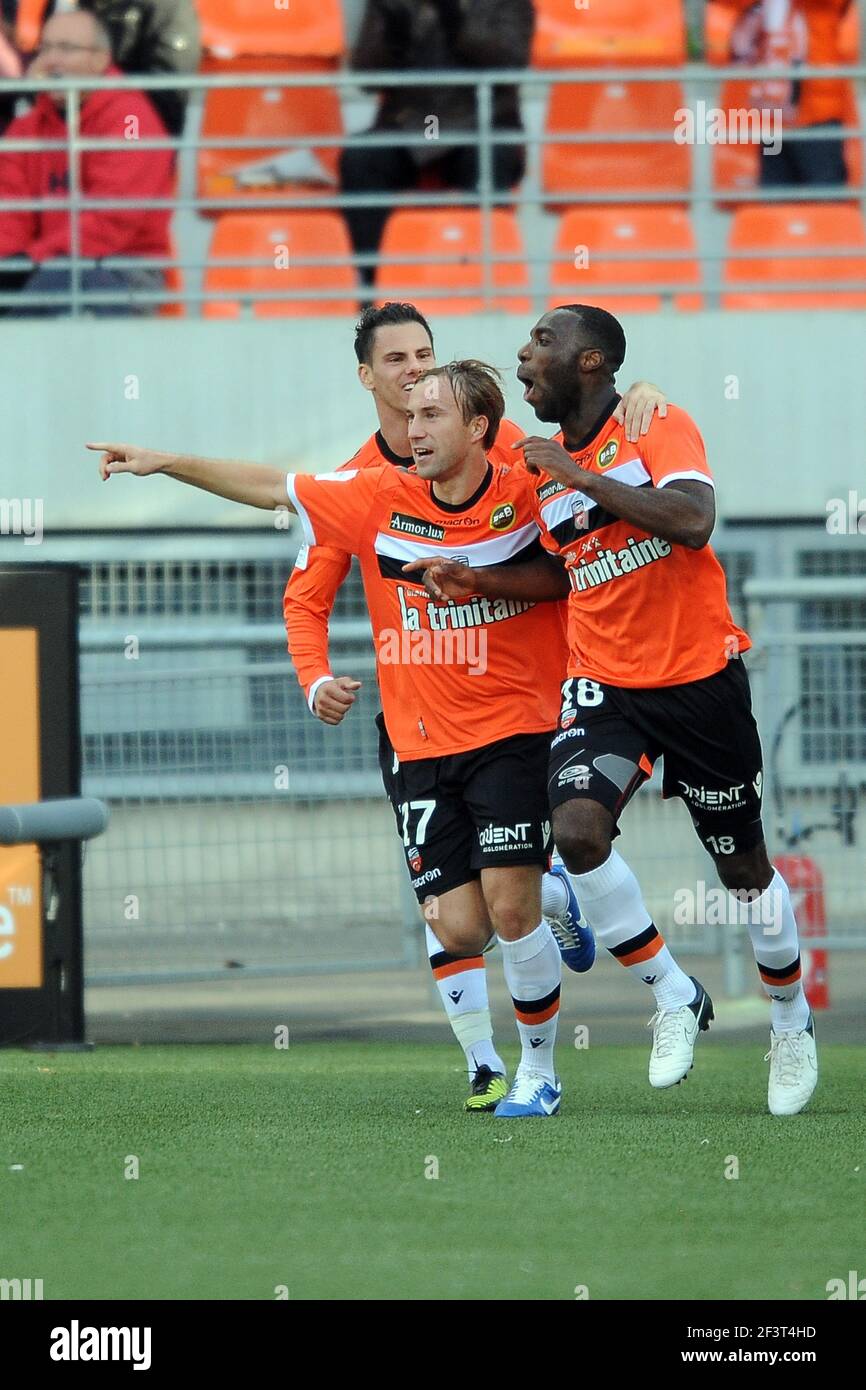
{"x":699,"y":83}
{"x":246,"y":835}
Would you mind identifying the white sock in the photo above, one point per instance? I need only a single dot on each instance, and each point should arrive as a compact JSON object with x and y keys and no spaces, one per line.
{"x":554,"y":895}
{"x":611,"y":900}
{"x":462,"y":985}
{"x":772,"y":927}
{"x":533,"y":971}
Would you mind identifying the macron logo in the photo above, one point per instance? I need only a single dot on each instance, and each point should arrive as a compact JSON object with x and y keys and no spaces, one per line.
{"x":76,"y":1343}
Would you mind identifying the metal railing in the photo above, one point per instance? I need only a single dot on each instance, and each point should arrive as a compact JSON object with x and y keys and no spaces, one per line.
{"x":246,"y":836}
{"x":530,"y":196}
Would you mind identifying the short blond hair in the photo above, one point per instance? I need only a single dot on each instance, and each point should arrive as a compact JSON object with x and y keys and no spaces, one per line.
{"x":477,"y":390}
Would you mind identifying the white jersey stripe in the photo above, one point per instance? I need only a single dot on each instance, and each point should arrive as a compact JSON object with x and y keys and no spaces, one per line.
{"x":692,"y":473}
{"x":633,"y":473}
{"x":490,"y":552}
{"x":306,"y":523}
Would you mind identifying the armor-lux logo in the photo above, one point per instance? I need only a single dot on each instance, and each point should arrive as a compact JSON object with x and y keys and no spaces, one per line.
{"x":416,"y":526}
{"x":550,"y":490}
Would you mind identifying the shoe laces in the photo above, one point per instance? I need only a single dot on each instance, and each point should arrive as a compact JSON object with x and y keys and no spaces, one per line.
{"x":665,"y":1026}
{"x":526,"y":1086}
{"x":565,"y":935}
{"x":785,"y":1057}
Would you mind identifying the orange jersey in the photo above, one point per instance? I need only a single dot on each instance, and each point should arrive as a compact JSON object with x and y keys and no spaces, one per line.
{"x":642,"y":611}
{"x":458,"y":675}
{"x":313,"y":584}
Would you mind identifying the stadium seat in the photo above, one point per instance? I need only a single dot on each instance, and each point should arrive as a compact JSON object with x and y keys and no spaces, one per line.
{"x":301,"y":29}
{"x":261,"y":236}
{"x":451,"y":232}
{"x":271,"y":113}
{"x":615,"y":108}
{"x":613,"y":31}
{"x":598,"y":231}
{"x":804,"y":227}
{"x":736,"y":167}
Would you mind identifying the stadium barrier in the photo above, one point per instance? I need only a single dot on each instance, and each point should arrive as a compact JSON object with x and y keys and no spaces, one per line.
{"x":700,"y":84}
{"x":246,"y":836}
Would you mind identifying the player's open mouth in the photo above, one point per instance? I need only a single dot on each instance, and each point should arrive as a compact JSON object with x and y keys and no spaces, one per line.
{"x":528,"y":385}
{"x":422,"y":453}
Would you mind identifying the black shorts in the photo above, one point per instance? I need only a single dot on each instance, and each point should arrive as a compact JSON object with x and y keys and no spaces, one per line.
{"x":471,"y":811}
{"x":609,"y":737}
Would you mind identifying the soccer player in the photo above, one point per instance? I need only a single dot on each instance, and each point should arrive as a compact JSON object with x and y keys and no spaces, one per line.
{"x":469,"y":716}
{"x":393,"y":346}
{"x":654,"y":669}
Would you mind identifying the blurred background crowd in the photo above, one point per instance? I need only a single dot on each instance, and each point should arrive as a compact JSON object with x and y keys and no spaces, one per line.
{"x":422,"y":137}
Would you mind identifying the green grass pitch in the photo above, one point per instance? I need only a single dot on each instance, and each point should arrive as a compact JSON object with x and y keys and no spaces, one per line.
{"x":305,"y":1168}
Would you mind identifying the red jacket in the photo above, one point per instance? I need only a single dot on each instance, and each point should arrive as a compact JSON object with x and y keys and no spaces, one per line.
{"x":113,"y":174}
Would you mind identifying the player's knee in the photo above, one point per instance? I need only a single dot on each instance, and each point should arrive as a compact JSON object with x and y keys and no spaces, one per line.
{"x":512,"y":920}
{"x":513,"y":913}
{"x":750,"y":872}
{"x":461,"y":938}
{"x":583,"y":844}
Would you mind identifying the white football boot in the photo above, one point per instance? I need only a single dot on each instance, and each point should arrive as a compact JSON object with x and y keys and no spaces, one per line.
{"x":675,"y":1033}
{"x":793,"y":1070}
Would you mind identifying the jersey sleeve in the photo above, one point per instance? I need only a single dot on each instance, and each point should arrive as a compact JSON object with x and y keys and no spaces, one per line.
{"x":334,"y":507}
{"x":307,"y":605}
{"x":674,"y":450}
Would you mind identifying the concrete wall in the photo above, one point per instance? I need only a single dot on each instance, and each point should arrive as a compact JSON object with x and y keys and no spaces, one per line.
{"x":779,"y":398}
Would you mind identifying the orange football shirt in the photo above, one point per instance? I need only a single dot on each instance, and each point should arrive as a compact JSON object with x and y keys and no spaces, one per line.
{"x":458,"y":675}
{"x":311,"y":590}
{"x":642,"y":611}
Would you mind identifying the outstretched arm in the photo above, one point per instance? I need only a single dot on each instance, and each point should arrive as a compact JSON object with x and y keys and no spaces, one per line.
{"x":252,"y":483}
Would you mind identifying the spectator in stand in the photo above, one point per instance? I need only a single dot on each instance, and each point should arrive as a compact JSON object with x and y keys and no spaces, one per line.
{"x":77,"y":44}
{"x":150,"y":36}
{"x":418,"y":36}
{"x":787,"y":33}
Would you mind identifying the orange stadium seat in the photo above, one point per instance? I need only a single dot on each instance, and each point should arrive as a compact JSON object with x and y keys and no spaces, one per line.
{"x":290,"y":234}
{"x":620,"y":108}
{"x":299,"y":29}
{"x":271,"y":113}
{"x":736,"y":167}
{"x":608,"y":31}
{"x":587,"y":236}
{"x":451,"y":232}
{"x":719,"y":21}
{"x":804,"y":227}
